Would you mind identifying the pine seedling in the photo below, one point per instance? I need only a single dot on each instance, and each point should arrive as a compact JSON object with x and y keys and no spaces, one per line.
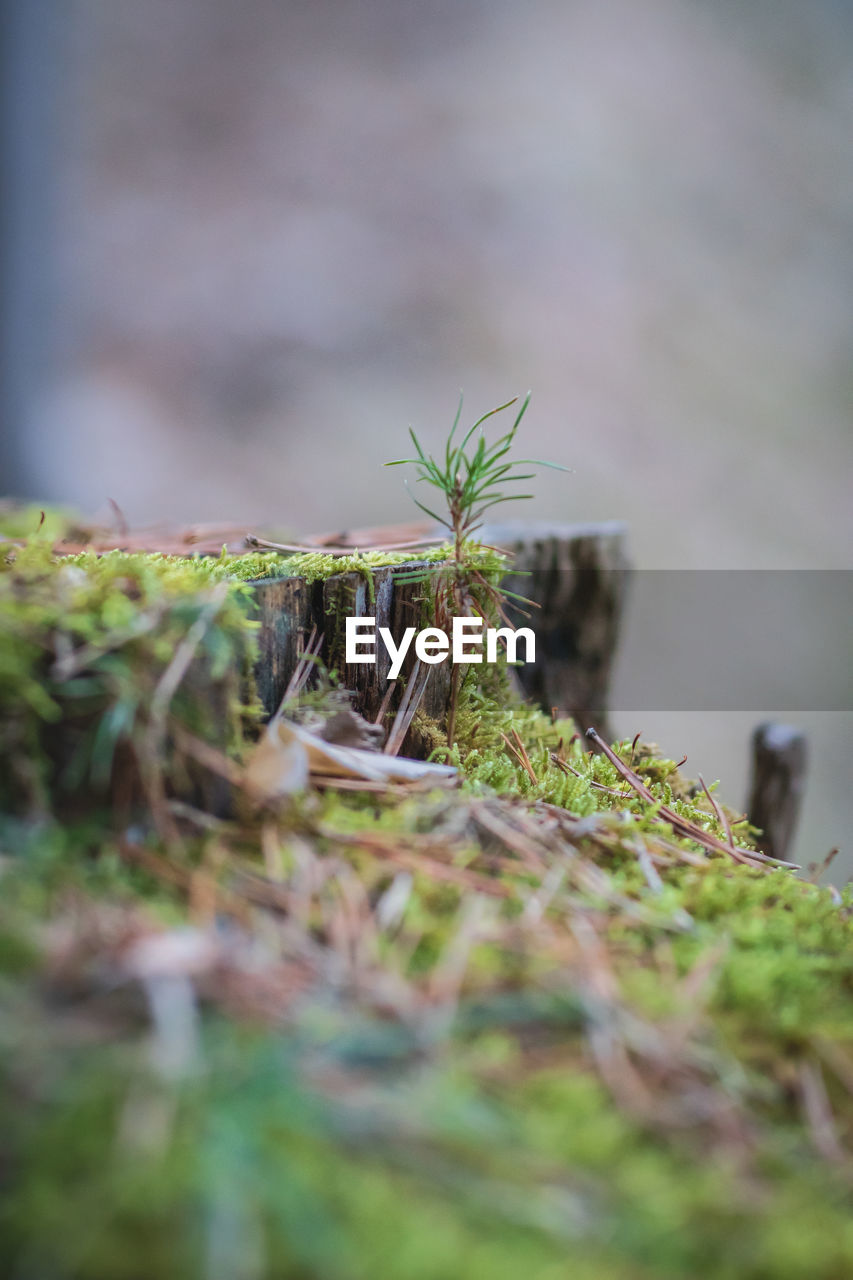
{"x":473,"y":476}
{"x":474,"y":481}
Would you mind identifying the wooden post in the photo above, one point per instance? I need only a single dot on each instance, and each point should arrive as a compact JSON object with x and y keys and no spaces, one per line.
{"x":779,"y":756}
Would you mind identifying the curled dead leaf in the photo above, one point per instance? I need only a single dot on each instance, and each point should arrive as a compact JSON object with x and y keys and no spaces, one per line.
{"x":288,"y":756}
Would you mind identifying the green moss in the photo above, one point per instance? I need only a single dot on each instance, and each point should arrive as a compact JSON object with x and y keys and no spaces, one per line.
{"x":436,"y":1051}
{"x":28,"y":520}
{"x":317,"y":566}
{"x":84,"y":643}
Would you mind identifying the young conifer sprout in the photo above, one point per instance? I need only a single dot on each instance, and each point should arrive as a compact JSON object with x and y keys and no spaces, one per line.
{"x":473,"y":476}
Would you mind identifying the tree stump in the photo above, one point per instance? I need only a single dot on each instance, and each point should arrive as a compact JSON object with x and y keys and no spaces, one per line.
{"x":577,"y":577}
{"x":575,"y":574}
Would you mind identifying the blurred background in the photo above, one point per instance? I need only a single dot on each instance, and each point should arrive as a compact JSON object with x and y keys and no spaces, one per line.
{"x":246,"y":244}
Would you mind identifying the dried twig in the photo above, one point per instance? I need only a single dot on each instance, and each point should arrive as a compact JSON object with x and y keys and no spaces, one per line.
{"x":683,"y":826}
{"x":647,"y":867}
{"x":419,"y":861}
{"x":818,"y":1113}
{"x":208,"y":756}
{"x":386,"y":701}
{"x":720,"y":814}
{"x":521,"y":754}
{"x":252,"y":540}
{"x":817,"y":870}
{"x":567,"y":768}
{"x":302,"y":671}
{"x":409,"y":703}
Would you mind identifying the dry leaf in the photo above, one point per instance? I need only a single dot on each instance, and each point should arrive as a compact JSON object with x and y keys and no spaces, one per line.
{"x":287,"y":754}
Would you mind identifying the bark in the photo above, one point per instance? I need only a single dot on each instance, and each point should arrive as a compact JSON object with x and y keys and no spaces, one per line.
{"x":576,"y":575}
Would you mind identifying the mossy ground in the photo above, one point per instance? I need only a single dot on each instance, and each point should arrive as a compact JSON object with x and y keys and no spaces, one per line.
{"x":515,"y":1028}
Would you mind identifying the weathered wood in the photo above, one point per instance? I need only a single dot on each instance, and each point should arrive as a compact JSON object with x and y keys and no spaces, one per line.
{"x":286,"y":613}
{"x":779,"y":759}
{"x":353,"y":595}
{"x":574,"y":573}
{"x":409,"y":609}
{"x":577,"y":577}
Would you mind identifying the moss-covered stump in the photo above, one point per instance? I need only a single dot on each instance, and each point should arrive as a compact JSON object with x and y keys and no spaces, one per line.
{"x":572,"y":579}
{"x":545,"y":1022}
{"x":293,"y":609}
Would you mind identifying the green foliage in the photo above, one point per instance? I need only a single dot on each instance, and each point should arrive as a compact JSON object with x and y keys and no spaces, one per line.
{"x":318,"y":565}
{"x":472,"y":481}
